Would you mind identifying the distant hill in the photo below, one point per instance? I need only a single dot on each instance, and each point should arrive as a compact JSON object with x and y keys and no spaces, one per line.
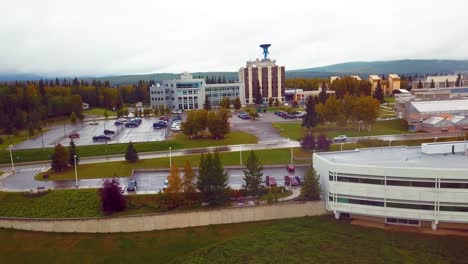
{"x":361,"y":68}
{"x":395,"y":66}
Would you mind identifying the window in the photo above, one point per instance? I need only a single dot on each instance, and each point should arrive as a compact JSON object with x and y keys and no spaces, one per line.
{"x":400,"y":221}
{"x":411,"y":206}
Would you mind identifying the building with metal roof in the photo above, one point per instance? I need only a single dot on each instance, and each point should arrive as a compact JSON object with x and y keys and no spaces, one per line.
{"x":424,"y":186}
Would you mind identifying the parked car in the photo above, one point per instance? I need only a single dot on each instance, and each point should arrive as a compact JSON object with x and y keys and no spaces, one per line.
{"x":290,"y":180}
{"x":166,"y":184}
{"x":132,"y":186}
{"x":119,"y":122}
{"x":289,"y":116}
{"x":131,"y":124}
{"x":300,"y":114}
{"x":109,"y":132}
{"x":74,"y":135}
{"x":243,"y":116}
{"x":159,"y":125}
{"x":177,"y":118}
{"x":340,"y":138}
{"x":270,"y":181}
{"x":176,"y":112}
{"x":291,"y":168}
{"x":101,"y":138}
{"x":165,"y":118}
{"x":300,"y":180}
{"x":94,"y":123}
{"x":136,"y":120}
{"x":176,"y":128}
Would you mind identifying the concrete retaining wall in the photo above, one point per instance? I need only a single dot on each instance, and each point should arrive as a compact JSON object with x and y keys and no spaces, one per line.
{"x":168,"y":220}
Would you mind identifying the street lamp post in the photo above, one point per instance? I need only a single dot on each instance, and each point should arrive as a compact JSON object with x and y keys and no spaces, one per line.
{"x":170,"y":157}
{"x":341,"y":146}
{"x":76,"y":173}
{"x":12,"y":163}
{"x":64,"y":130}
{"x":390,"y":143}
{"x":292,"y":156}
{"x":240,"y":155}
{"x":42,"y":137}
{"x":435,"y":139}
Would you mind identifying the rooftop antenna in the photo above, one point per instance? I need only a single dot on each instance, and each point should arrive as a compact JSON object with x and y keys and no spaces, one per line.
{"x":265,"y":50}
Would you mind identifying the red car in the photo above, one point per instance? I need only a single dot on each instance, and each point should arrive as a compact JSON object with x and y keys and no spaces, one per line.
{"x":74,"y":135}
{"x":291,"y":168}
{"x":270,"y":181}
{"x":165,"y":118}
{"x":290,"y":180}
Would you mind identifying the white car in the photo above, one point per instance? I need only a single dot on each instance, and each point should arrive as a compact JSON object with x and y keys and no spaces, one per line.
{"x":176,"y":128}
{"x":301,"y":114}
{"x":340,"y":138}
{"x":94,"y":123}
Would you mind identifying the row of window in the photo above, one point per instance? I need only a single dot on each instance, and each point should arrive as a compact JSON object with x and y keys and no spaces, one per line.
{"x":188,"y":106}
{"x":398,"y":204}
{"x":394,"y":181}
{"x":214,"y":89}
{"x":223,"y":95}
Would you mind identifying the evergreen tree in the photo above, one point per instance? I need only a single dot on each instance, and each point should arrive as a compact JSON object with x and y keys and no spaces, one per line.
{"x":237,"y":103}
{"x":310,"y":120}
{"x":207,"y":104}
{"x":212,"y":180}
{"x":71,"y":153}
{"x":59,"y":158}
{"x":420,"y":85}
{"x":131,"y":155}
{"x":277,"y":103}
{"x":253,"y":174}
{"x":308,"y":141}
{"x":310,"y":190}
{"x":189,"y":184}
{"x":258,"y":97}
{"x":432,"y":84}
{"x":323,"y":93}
{"x":378,"y":93}
{"x":458,"y":81}
{"x":323,"y":143}
{"x":112,"y":199}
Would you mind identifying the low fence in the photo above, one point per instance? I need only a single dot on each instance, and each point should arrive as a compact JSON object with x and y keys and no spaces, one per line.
{"x":163,"y":221}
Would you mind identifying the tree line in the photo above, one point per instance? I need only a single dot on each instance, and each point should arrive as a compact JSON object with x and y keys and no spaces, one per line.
{"x":27,"y":104}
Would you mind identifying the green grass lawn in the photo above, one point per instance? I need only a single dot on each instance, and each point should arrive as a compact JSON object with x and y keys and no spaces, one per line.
{"x":56,"y":203}
{"x":180,"y":141}
{"x":297,"y":240}
{"x":99,"y":112}
{"x":294,"y":130}
{"x":124,"y":169}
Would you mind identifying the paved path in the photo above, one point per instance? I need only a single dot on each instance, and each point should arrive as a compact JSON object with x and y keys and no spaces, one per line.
{"x":296,"y":191}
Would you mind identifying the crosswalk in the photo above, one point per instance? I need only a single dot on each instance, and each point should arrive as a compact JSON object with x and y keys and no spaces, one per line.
{"x":33,"y":169}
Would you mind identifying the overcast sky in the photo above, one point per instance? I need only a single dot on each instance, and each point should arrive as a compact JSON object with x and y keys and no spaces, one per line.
{"x":98,"y":37}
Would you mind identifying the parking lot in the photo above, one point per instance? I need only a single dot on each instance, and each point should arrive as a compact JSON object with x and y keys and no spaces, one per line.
{"x":59,"y":134}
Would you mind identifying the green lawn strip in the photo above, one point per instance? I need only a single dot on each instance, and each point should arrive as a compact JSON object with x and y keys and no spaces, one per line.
{"x":321,"y":240}
{"x":99,"y":112}
{"x":294,"y":130}
{"x":124,"y":169}
{"x":55,"y":203}
{"x":278,"y":195}
{"x":180,"y":141}
{"x":296,"y":240}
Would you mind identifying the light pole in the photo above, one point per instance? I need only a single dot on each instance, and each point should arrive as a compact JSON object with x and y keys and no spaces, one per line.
{"x":64,"y":130}
{"x":341,"y":146}
{"x":292,"y":156}
{"x":42,"y":137}
{"x":12,"y":163}
{"x":170,"y":157}
{"x":76,"y":173}
{"x":240,"y":155}
{"x":390,"y":143}
{"x":435,"y":139}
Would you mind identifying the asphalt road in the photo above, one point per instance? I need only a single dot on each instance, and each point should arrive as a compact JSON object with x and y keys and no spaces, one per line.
{"x":146,"y":181}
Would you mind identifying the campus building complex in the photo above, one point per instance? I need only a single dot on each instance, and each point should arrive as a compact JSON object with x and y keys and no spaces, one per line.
{"x":421,"y":186}
{"x":188,"y":93}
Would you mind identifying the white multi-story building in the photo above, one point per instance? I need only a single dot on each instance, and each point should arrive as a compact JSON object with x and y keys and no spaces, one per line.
{"x":188,"y":93}
{"x":422,"y":186}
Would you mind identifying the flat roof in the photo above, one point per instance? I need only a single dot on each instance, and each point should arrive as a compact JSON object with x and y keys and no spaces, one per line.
{"x":441,"y":106}
{"x":398,"y":157}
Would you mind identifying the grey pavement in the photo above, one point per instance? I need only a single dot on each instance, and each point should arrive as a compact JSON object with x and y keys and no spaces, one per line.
{"x":147,"y":181}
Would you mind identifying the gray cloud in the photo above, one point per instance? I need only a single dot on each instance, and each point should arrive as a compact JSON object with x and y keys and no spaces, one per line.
{"x":97,"y":38}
